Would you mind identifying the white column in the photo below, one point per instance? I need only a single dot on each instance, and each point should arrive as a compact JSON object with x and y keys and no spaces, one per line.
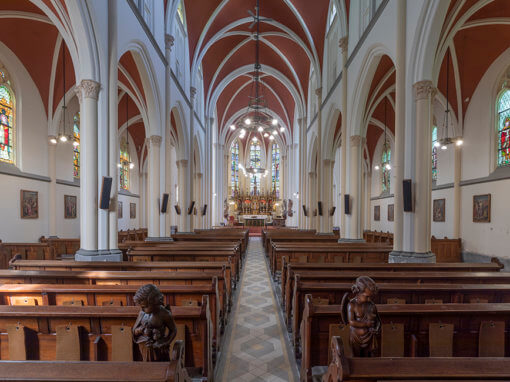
{"x":182,"y":169}
{"x":319,"y":177}
{"x":400,"y":114}
{"x":199,"y":201}
{"x":191,"y":161}
{"x":154,"y":184}
{"x":312,"y":200}
{"x":88,"y":92}
{"x":456,"y":192}
{"x":52,"y":197}
{"x":356,"y":142}
{"x":343,"y":137}
{"x":302,"y":220}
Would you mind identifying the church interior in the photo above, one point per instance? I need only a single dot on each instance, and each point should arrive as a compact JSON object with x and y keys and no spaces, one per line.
{"x":254,"y":190}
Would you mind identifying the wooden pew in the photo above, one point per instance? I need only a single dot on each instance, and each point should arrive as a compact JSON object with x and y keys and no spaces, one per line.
{"x":332,"y":293}
{"x":308,"y":240}
{"x":286,"y":232}
{"x":405,"y":369}
{"x":328,"y":253}
{"x":466,"y":319}
{"x":193,"y":237}
{"x":226,"y":231}
{"x":121,"y":278}
{"x":96,"y":328}
{"x":314,"y":270}
{"x":149,"y":254}
{"x":290,"y":268}
{"x":70,"y":265}
{"x":28,"y":251}
{"x":56,"y":371}
{"x":114,"y":295}
{"x":62,"y":246}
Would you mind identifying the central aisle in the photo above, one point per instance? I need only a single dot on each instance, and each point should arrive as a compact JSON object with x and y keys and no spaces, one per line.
{"x":256,"y":349}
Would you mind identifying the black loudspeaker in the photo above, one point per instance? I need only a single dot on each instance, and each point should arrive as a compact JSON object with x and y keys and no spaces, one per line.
{"x":177,"y":209}
{"x":304,"y":210}
{"x":407,"y":188}
{"x":164,"y":203}
{"x":347,"y":204}
{"x":106,"y":188}
{"x":204,"y":210}
{"x":332,"y":211}
{"x":319,"y":207}
{"x":190,"y":208}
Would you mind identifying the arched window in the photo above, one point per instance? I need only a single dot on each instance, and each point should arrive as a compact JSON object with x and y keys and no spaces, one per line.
{"x":503,"y":120}
{"x":7,"y":130}
{"x":234,"y":166}
{"x":386,"y":169}
{"x":434,"y":153}
{"x":76,"y":145}
{"x":124,"y":165}
{"x":255,"y":163}
{"x":275,"y":169}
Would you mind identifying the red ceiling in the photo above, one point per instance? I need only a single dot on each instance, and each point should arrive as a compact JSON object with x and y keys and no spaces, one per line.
{"x":476,"y":49}
{"x":314,"y":16}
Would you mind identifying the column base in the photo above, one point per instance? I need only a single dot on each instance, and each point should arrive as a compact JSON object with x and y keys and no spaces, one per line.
{"x":162,"y":238}
{"x":98,"y":255}
{"x":351,"y":241}
{"x":411,"y":257}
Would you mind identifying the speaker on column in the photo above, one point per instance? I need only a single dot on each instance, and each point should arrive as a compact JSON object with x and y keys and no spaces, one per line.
{"x":106,"y":188}
{"x":204,"y":210}
{"x":332,"y":211}
{"x":304,"y":210}
{"x":177,"y":209}
{"x":319,"y":207}
{"x":407,"y":188}
{"x":164,"y":203}
{"x":190,"y":208}
{"x":347,"y":204}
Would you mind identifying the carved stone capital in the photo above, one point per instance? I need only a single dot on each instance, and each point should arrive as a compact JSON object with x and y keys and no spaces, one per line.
{"x":169,"y":41}
{"x":311,"y":174}
{"x":155,"y":140}
{"x":87,"y":89}
{"x":424,"y":89}
{"x":343,"y":43}
{"x":182,"y":162}
{"x":192,"y":92}
{"x":356,"y":140}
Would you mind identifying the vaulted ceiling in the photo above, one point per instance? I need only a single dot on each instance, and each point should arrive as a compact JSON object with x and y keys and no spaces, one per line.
{"x":291,"y":44}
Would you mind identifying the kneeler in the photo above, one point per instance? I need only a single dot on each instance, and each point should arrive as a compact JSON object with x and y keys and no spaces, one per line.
{"x":440,"y":340}
{"x":17,"y":343}
{"x":122,"y":343}
{"x":68,"y":343}
{"x":491,"y":340}
{"x":392,"y":340}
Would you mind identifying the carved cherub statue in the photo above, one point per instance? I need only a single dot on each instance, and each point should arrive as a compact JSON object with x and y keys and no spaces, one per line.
{"x":154,"y":328}
{"x":360,"y":313}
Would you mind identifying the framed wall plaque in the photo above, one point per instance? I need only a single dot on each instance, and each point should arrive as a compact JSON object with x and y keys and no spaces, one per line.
{"x":70,"y":206}
{"x":438,"y":210}
{"x":29,"y":204}
{"x":377,"y":213}
{"x":132,"y":210}
{"x":391,"y":212}
{"x":119,"y":210}
{"x":482,"y":208}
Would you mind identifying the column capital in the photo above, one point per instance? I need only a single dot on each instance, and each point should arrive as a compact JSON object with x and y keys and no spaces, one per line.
{"x":343,"y":43}
{"x":181,"y":162}
{"x":311,"y":173}
{"x":357,"y":140}
{"x":328,"y":162}
{"x":87,"y":89}
{"x":169,"y":41}
{"x":198,"y":175}
{"x":155,"y":140}
{"x":318,"y":92}
{"x":192,"y":92}
{"x":424,"y":89}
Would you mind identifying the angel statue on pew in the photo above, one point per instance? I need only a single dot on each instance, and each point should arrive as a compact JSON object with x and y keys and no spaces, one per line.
{"x":154,"y":328}
{"x":360,"y":313}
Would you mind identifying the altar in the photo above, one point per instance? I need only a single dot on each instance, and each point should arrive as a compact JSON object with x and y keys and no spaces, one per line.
{"x":254,"y":220}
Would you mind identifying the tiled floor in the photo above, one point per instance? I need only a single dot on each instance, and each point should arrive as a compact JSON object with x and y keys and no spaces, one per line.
{"x":256,"y":348}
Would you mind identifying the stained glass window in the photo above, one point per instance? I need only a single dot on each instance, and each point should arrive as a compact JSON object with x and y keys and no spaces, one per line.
{"x":124,"y":166}
{"x":255,"y":163}
{"x":434,"y":153}
{"x":234,"y":156}
{"x":275,"y":169}
{"x":503,"y":120}
{"x":386,"y":169}
{"x":6,"y":124}
{"x":76,"y":145}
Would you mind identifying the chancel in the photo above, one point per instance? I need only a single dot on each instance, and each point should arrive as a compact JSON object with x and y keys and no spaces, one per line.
{"x":256,"y":190}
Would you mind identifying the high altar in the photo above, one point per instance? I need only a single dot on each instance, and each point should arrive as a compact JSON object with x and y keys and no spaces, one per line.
{"x":255,"y":209}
